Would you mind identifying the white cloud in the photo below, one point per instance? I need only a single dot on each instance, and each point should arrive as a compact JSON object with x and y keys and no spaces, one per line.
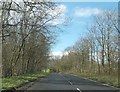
{"x":59,"y":11}
{"x":65,"y":53}
{"x":58,"y":54}
{"x":84,"y":12}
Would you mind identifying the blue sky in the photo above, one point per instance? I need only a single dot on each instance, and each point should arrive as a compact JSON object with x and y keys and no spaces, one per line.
{"x":80,"y":14}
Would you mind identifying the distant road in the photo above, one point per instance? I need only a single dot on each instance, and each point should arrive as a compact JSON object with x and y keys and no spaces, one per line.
{"x":66,"y":82}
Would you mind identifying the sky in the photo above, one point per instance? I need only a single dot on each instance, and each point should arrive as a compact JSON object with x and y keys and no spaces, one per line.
{"x":80,"y":15}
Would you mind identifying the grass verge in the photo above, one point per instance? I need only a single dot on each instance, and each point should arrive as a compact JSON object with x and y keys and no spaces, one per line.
{"x":15,"y":81}
{"x":106,"y":79}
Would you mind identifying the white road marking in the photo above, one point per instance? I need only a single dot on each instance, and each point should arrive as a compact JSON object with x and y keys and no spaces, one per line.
{"x":95,"y":81}
{"x":71,"y":83}
{"x":67,"y":80}
{"x":79,"y":90}
{"x":100,"y":83}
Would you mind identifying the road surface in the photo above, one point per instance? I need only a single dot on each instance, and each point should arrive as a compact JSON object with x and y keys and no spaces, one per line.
{"x":66,"y":82}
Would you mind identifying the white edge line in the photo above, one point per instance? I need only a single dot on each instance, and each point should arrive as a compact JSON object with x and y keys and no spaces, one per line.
{"x":71,"y":83}
{"x":96,"y":81}
{"x":79,"y":90}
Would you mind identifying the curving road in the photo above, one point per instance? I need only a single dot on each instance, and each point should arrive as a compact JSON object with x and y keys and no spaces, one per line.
{"x":69,"y":83}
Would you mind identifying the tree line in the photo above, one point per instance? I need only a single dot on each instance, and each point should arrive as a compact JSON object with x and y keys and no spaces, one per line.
{"x":97,"y":52}
{"x":27,"y":35}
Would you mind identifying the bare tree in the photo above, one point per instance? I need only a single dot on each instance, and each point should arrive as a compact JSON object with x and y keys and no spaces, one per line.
{"x":26,"y":35}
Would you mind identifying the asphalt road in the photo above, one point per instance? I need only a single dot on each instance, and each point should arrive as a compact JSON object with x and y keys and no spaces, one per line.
{"x":66,"y":82}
